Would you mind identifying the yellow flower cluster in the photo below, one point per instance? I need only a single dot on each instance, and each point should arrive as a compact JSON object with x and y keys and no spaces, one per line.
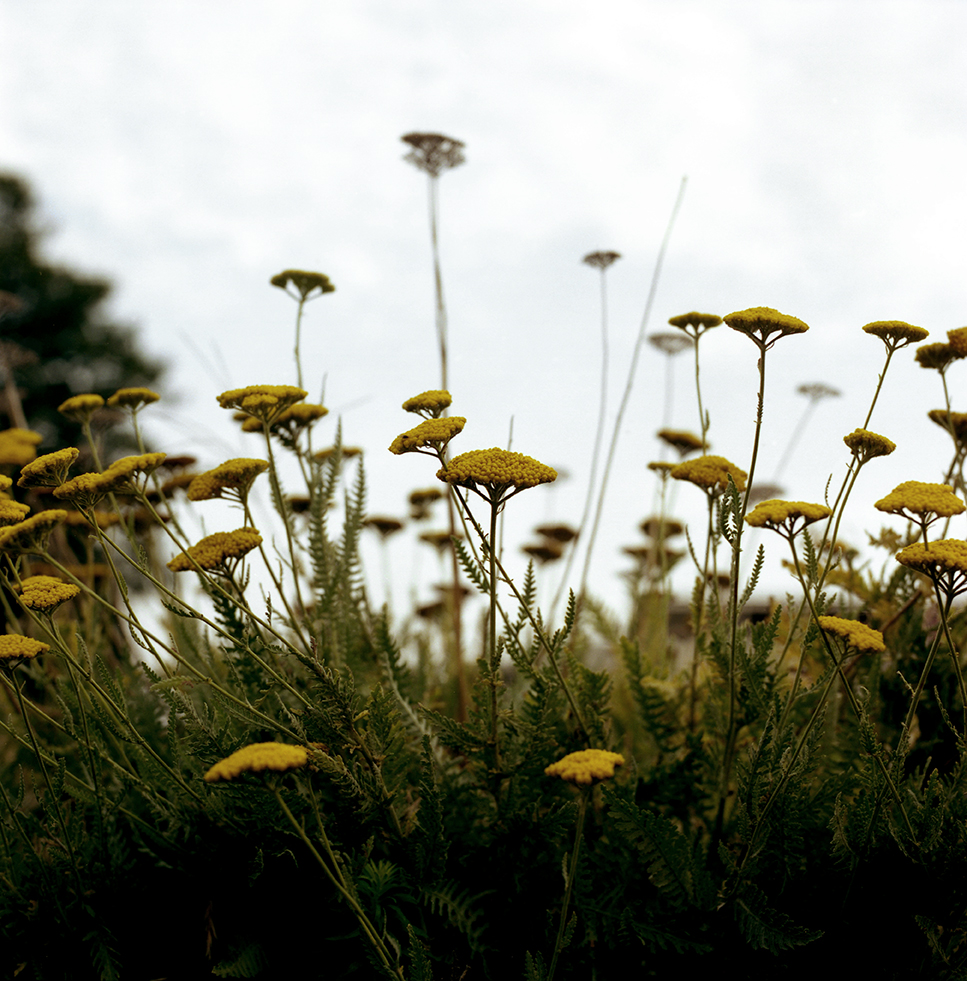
{"x":433,"y":432}
{"x":430,"y":403}
{"x":31,"y":534}
{"x":710,"y":472}
{"x":857,"y":635}
{"x":914,"y":497}
{"x":699,"y":322}
{"x":896,"y":333}
{"x":86,"y":489}
{"x":265,"y":402}
{"x":304,"y":282}
{"x":214,"y":551}
{"x":232,"y":478}
{"x":132,"y":398}
{"x":760,"y":322}
{"x":585,"y":767}
{"x":49,"y":470}
{"x":80,"y":408}
{"x":957,"y":339}
{"x":938,"y":356}
{"x":866,"y":445}
{"x":12,"y":512}
{"x":947,"y":557}
{"x":496,"y":470}
{"x":681,"y":440}
{"x":782,"y":515}
{"x":18,"y":446}
{"x":15,"y":646}
{"x":256,"y":758}
{"x":46,"y":593}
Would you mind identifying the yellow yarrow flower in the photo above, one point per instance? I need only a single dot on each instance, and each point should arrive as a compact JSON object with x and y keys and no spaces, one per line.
{"x":18,"y":446}
{"x":122,"y":476}
{"x":132,"y":398}
{"x":957,"y":339}
{"x":710,"y":473}
{"x":680,"y":439}
{"x":759,"y":323}
{"x":80,"y":408}
{"x":492,"y":473}
{"x":12,"y":512}
{"x":945,"y":562}
{"x":233,"y":478}
{"x":939,"y":356}
{"x":217,"y":553}
{"x":857,"y":635}
{"x":83,"y":491}
{"x":782,"y":516}
{"x":895,"y":333}
{"x":265,"y":402}
{"x":16,"y":647}
{"x":586,"y":767}
{"x":45,"y":593}
{"x":49,"y":470}
{"x":303,"y":282}
{"x":956,"y":421}
{"x":31,"y":534}
{"x":914,"y":497}
{"x":257,"y":758}
{"x":429,"y":404}
{"x":866,"y":445}
{"x":435,"y":433}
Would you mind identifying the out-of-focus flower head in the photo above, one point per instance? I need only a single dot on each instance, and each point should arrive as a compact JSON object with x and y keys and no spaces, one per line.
{"x":80,"y":408}
{"x":682,"y":440}
{"x":433,"y":153}
{"x":132,"y":398}
{"x":601,"y":260}
{"x":258,"y":758}
{"x":305,"y":284}
{"x":586,"y":766}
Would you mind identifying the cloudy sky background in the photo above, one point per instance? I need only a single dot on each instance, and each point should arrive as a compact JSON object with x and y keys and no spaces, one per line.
{"x":190,"y":151}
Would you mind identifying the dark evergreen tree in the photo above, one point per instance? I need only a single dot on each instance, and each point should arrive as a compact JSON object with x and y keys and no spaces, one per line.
{"x":54,"y":338}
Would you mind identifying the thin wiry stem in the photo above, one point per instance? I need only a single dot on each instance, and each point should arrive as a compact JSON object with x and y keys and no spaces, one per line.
{"x":652,"y":291}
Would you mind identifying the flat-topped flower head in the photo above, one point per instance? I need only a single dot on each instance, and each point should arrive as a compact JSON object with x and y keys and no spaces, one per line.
{"x":816,"y":391}
{"x":383,"y":525}
{"x":45,"y":593}
{"x":957,"y":339}
{"x":694,"y":323}
{"x":496,"y":474}
{"x":298,"y":417}
{"x":218,"y":553}
{"x":601,"y":260}
{"x":80,"y":408}
{"x":945,"y":562}
{"x":895,"y":333}
{"x":950,"y":421}
{"x":430,"y":404}
{"x":859,"y":636}
{"x":258,"y":758}
{"x":711,"y":473}
{"x":866,"y":445}
{"x":662,"y":467}
{"x":12,"y":512}
{"x":586,"y":767}
{"x":670,"y":344}
{"x":232,"y":479}
{"x":658,"y":527}
{"x":31,"y":534}
{"x":84,"y":491}
{"x":916,"y":500}
{"x":787,"y":518}
{"x":937,"y":356}
{"x":18,"y":447}
{"x":763,"y":323}
{"x":558,"y":532}
{"x":15,"y":648}
{"x":49,"y":470}
{"x":304,"y":283}
{"x":435,"y":433}
{"x":129,"y":474}
{"x":433,"y":153}
{"x":682,"y":440}
{"x":132,"y":398}
{"x":345,"y":453}
{"x":265,"y":402}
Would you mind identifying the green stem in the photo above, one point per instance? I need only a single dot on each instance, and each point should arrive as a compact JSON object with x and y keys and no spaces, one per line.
{"x":571,"y":876}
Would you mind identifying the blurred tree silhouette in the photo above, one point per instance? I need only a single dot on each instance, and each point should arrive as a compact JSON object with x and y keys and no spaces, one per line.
{"x":54,"y":342}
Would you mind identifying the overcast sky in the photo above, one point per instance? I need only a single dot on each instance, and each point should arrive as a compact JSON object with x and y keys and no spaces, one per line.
{"x":190,"y":150}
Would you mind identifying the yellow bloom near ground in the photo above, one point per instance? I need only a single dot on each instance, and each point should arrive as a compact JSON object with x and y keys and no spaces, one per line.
{"x":586,"y":767}
{"x":257,"y":758}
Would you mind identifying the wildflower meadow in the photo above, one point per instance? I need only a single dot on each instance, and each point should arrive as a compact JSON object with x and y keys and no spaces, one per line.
{"x":223,"y":757}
